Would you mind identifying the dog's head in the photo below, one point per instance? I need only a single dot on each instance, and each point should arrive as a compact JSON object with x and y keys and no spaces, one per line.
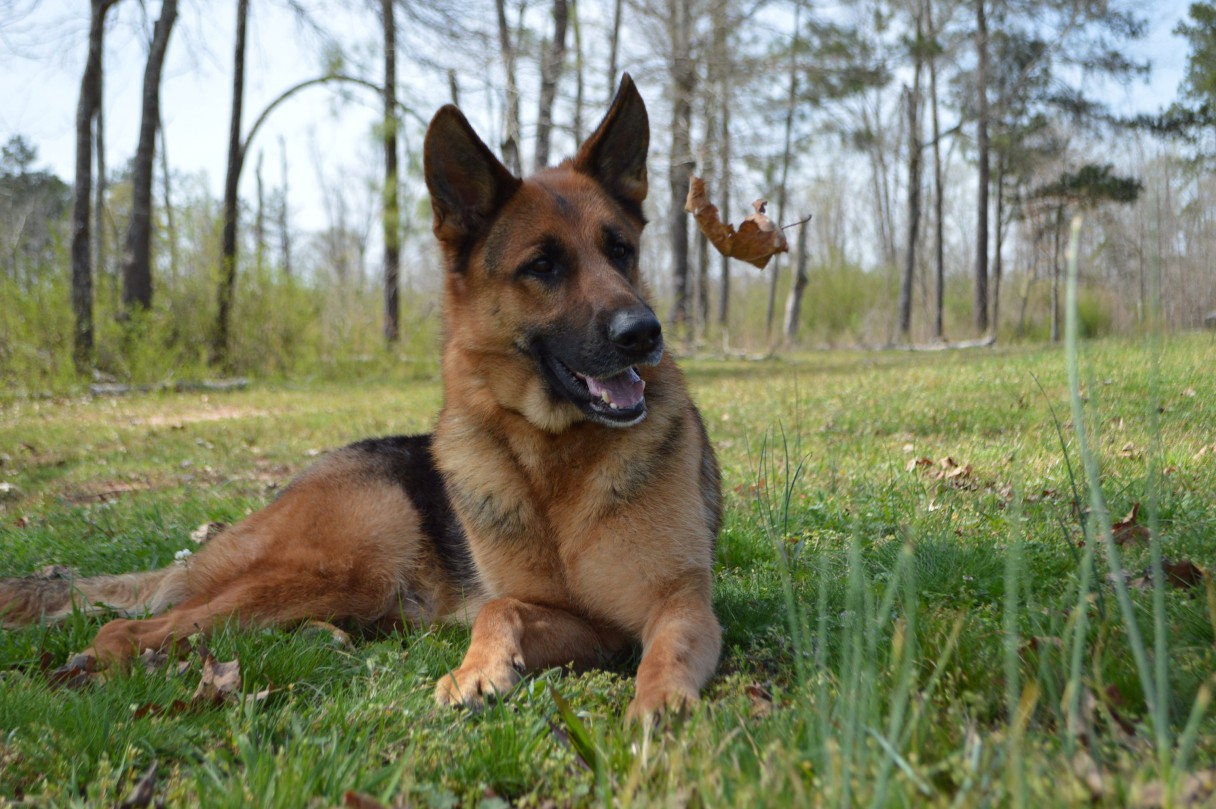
{"x":544,"y":298}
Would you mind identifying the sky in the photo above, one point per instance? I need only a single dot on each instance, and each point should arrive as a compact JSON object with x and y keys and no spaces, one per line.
{"x":42,"y":51}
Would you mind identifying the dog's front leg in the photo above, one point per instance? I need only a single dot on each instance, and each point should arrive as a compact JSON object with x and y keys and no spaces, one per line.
{"x":680,"y":648}
{"x":511,"y":637}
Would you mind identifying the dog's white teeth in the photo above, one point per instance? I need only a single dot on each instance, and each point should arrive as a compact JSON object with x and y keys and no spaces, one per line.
{"x":607,"y":398}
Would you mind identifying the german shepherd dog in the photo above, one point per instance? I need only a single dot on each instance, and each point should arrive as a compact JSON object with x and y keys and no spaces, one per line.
{"x":568,"y":501}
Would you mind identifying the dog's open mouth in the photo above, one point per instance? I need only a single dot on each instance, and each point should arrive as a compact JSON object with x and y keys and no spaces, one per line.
{"x":616,"y":399}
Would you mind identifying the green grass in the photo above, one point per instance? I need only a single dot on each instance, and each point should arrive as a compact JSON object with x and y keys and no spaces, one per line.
{"x":924,"y":642}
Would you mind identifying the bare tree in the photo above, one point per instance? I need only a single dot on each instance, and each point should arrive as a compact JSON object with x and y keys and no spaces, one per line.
{"x":137,"y":258}
{"x":793,"y":304}
{"x":683,"y":82}
{"x":227,"y":285}
{"x":982,"y":150}
{"x":552,"y":59}
{"x":284,"y":211}
{"x":939,"y":249}
{"x":86,"y":108}
{"x":912,"y":103}
{"x":614,"y":41}
{"x":391,"y":217}
{"x":506,"y":46}
{"x":787,"y":157}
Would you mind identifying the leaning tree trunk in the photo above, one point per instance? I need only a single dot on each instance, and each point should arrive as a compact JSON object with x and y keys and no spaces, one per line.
{"x":982,"y":149}
{"x":99,"y":195}
{"x":551,"y":62}
{"x":392,"y":215}
{"x":82,"y":271}
{"x":227,"y":285}
{"x":510,"y":144}
{"x":580,"y":78}
{"x":137,"y":259}
{"x":614,"y":42}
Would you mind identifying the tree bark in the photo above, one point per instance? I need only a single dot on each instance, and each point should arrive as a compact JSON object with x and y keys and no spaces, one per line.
{"x":510,"y":144}
{"x":579,"y":72}
{"x":99,"y":197}
{"x":613,"y":46}
{"x":982,"y":149}
{"x":82,"y":271}
{"x":997,"y":259}
{"x":170,"y":220}
{"x":1055,"y":274}
{"x":683,"y":74}
{"x":551,"y":62}
{"x":259,"y":220}
{"x":793,"y":304}
{"x":912,"y":100}
{"x":721,"y":55}
{"x":227,"y":285}
{"x":137,"y":258}
{"x":939,"y":242}
{"x":392,"y":216}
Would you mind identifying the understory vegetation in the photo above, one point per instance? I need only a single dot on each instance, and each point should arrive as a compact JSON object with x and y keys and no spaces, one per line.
{"x":917,"y":588}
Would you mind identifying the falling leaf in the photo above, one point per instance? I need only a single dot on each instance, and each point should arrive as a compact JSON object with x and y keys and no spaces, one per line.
{"x":1129,"y":531}
{"x":757,"y":239}
{"x":221,"y":681}
{"x":144,"y":791}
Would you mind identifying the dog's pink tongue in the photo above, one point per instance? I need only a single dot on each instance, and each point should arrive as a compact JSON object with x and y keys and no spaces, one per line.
{"x":623,"y":390}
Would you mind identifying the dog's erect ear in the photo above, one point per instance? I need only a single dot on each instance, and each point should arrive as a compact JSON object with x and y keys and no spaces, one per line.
{"x":467,"y":182}
{"x":615,"y":154}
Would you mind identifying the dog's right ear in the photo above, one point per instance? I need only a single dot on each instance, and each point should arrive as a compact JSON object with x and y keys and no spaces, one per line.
{"x":467,"y":182}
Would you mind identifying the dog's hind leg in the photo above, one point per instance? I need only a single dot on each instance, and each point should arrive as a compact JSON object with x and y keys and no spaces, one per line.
{"x":276,"y":597}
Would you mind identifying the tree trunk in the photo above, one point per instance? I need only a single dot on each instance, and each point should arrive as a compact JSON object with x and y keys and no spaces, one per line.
{"x":579,"y":77}
{"x":912,"y":99}
{"x":786,"y":158}
{"x":82,"y":272}
{"x":392,"y":215}
{"x":793,"y":303}
{"x":99,"y":197}
{"x":453,"y":87}
{"x":137,"y":258}
{"x":721,"y":36}
{"x":284,"y":212}
{"x":982,"y":149}
{"x":683,"y":74}
{"x":613,"y":46}
{"x":939,"y":241}
{"x":1055,"y":275}
{"x":227,"y":285}
{"x":510,"y":145}
{"x":551,"y":62}
{"x":997,"y":259}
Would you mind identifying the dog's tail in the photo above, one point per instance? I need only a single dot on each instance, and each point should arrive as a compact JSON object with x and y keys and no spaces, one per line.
{"x":56,"y":593}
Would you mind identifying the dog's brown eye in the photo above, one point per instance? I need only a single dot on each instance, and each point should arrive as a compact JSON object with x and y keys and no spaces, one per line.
{"x":542,"y":266}
{"x":619,"y":251}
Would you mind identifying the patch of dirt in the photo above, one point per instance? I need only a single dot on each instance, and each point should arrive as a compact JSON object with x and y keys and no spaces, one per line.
{"x":217,"y":413}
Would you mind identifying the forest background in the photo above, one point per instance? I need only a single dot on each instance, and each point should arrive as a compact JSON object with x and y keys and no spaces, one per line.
{"x":204,"y":189}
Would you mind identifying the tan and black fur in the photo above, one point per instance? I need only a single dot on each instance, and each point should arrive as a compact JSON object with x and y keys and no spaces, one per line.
{"x":562,"y":527}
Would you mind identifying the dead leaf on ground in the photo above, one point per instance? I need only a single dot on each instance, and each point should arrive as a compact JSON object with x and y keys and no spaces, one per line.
{"x":360,"y":800}
{"x":79,"y":672}
{"x":178,"y":706}
{"x":1129,"y":531}
{"x":221,"y":681}
{"x":206,"y":531}
{"x":143,"y":792}
{"x":756,"y":241}
{"x":1129,"y":450}
{"x":1184,"y":574}
{"x":761,"y":699}
{"x":918,"y":463}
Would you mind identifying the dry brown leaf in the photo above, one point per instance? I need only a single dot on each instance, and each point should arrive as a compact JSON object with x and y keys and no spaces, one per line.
{"x":756,"y":241}
{"x":360,"y":800}
{"x":206,"y":531}
{"x":80,"y":671}
{"x":1184,"y":574}
{"x":221,"y":681}
{"x":918,"y":463}
{"x":1129,"y":531}
{"x":761,"y":699}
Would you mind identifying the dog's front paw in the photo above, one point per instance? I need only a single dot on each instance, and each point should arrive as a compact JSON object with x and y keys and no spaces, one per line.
{"x":474,"y":683}
{"x":652,"y":702}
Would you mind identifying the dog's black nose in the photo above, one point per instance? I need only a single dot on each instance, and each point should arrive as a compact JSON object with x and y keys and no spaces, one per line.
{"x":636,"y":331}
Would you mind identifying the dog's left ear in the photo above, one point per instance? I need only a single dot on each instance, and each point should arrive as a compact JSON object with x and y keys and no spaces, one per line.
{"x":615,"y":154}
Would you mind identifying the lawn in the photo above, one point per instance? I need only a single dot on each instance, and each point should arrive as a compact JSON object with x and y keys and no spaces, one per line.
{"x":912,"y":577}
